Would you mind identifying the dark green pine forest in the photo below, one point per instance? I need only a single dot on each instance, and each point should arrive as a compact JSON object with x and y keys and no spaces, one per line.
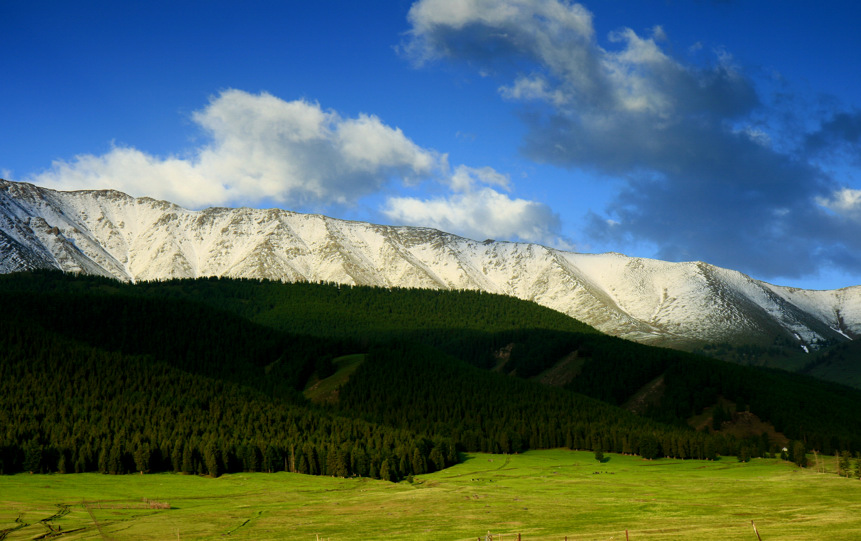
{"x":207,"y":377}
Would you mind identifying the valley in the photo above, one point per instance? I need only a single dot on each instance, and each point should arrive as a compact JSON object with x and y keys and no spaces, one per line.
{"x":247,"y":406}
{"x":467,"y":270}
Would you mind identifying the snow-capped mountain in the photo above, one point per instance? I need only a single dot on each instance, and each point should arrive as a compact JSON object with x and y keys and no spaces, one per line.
{"x":681,"y":304}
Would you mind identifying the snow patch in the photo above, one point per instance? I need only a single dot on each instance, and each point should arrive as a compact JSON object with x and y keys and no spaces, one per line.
{"x":113,"y":234}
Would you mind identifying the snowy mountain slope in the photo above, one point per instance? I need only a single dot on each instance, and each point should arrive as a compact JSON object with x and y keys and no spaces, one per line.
{"x":681,"y":304}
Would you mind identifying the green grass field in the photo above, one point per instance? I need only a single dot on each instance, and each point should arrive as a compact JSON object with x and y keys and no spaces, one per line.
{"x":540,"y":494}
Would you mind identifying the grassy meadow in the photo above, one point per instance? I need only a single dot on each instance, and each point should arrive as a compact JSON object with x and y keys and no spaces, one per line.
{"x":539,"y":494}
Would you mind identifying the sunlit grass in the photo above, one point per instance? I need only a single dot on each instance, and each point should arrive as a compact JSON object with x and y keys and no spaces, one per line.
{"x":539,"y":494}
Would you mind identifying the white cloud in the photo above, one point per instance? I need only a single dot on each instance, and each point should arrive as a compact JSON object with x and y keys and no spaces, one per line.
{"x":439,"y":27}
{"x":756,"y":135}
{"x":658,"y":33}
{"x":560,"y":38}
{"x":464,"y":178}
{"x":478,"y":210}
{"x":844,"y":202}
{"x":261,"y":148}
{"x":367,"y":143}
{"x":695,"y":175}
{"x":132,"y":171}
{"x":533,"y":88}
{"x":428,"y":15}
{"x":479,"y":214}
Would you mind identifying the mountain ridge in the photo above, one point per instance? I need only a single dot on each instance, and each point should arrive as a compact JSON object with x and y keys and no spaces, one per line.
{"x":684,"y":305}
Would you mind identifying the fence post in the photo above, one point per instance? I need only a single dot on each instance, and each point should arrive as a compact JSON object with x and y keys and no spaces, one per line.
{"x":755,"y":531}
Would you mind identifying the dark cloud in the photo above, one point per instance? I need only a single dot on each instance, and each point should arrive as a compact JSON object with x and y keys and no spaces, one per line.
{"x":700,"y":178}
{"x":841,"y":133}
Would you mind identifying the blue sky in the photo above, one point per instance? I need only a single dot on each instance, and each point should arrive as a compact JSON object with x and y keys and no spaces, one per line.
{"x":721,"y":131}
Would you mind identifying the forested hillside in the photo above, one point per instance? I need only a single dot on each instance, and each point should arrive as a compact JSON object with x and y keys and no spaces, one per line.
{"x":206,"y":376}
{"x":841,"y":362}
{"x":475,"y":326}
{"x":69,"y":407}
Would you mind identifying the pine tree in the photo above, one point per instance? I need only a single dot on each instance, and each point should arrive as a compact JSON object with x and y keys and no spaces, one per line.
{"x":187,"y":460}
{"x":103,"y":458}
{"x":436,"y":459}
{"x":142,"y":457}
{"x":649,"y":447}
{"x":115,"y":458}
{"x":418,"y":462}
{"x":386,"y":471}
{"x":32,"y":456}
{"x":210,"y":459}
{"x":799,"y":454}
{"x":302,"y":467}
{"x":176,"y":455}
{"x":844,"y":464}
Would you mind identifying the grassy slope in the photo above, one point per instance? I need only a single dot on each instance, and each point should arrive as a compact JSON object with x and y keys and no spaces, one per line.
{"x":540,"y":494}
{"x":326,"y":390}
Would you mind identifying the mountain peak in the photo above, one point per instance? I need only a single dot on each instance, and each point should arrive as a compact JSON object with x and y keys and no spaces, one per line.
{"x":110,"y":233}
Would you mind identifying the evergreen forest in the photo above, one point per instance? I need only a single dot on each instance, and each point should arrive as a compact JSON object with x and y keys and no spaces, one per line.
{"x":207,"y":376}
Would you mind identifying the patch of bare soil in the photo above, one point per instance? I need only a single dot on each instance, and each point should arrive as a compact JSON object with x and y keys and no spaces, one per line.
{"x":745,"y":424}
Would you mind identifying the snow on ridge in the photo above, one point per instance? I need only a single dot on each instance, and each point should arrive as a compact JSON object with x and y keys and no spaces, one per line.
{"x":111,"y":233}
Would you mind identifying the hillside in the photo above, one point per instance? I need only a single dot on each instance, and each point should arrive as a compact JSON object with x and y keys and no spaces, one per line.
{"x":681,"y":305}
{"x":142,"y":348}
{"x":67,"y":406}
{"x":95,"y":379}
{"x":838,"y":363}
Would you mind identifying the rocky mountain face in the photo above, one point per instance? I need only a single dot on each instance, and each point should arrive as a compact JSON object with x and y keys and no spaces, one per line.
{"x":676,"y":304}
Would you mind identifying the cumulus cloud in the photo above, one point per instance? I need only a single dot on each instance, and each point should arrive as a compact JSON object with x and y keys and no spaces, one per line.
{"x":845,"y":202}
{"x":260,"y":148}
{"x":479,"y":214}
{"x":479,"y":211}
{"x":465,"y":178}
{"x":134,"y":172}
{"x":698,"y":175}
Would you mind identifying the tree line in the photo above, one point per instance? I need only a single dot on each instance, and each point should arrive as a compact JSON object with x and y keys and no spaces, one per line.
{"x":66,"y":406}
{"x":205,"y":376}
